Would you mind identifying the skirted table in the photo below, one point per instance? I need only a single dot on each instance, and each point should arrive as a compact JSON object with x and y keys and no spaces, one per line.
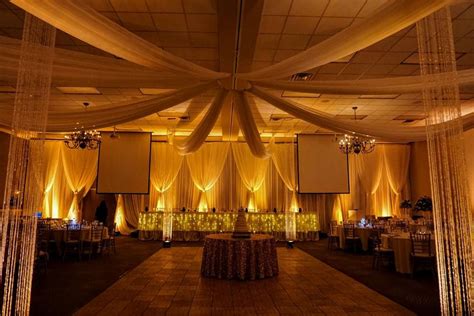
{"x":225,"y":257}
{"x":362,"y":233}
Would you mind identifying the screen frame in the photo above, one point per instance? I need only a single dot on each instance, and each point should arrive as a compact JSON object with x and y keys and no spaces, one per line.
{"x":298,"y":168}
{"x":149,"y":164}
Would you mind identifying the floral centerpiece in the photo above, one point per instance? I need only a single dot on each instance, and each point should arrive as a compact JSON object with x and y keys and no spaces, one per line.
{"x":405,"y":205}
{"x":424,"y":205}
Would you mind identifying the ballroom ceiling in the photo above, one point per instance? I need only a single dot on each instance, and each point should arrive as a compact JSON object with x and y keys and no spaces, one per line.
{"x":203,"y":31}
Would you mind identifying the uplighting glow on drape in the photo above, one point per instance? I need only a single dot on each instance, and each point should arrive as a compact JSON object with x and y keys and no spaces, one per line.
{"x":252,"y":171}
{"x":205,"y":167}
{"x":80,"y":170}
{"x":165,"y":165}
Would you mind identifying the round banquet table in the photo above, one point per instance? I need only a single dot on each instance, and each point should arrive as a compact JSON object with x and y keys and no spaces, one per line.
{"x":225,"y":257}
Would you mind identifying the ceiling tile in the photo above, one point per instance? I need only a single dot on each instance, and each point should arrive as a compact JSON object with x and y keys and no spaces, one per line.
{"x":341,"y":8}
{"x":129,"y":6}
{"x":173,"y":39}
{"x":406,"y":44}
{"x":462,"y":27}
{"x":264,"y":54}
{"x":272,"y":24}
{"x":284,"y":54}
{"x":364,"y":57}
{"x":204,"y":39}
{"x":137,"y":21}
{"x":380,"y":69}
{"x":332,"y":68}
{"x":294,"y":41}
{"x":308,"y":7}
{"x":267,"y":41}
{"x":331,"y":26}
{"x":316,"y":39}
{"x":300,"y":25}
{"x":355,"y":69}
{"x":202,"y":22}
{"x":371,"y":6}
{"x":100,"y":5}
{"x":279,"y":7}
{"x":392,"y":58}
{"x":9,"y":19}
{"x":200,"y":6}
{"x":405,"y":70}
{"x":164,"y":6}
{"x":170,"y":22}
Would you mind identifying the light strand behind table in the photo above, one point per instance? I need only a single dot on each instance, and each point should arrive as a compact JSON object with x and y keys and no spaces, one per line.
{"x":447,"y":165}
{"x":24,"y":171}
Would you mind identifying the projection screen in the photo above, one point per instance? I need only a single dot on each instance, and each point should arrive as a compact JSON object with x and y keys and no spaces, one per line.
{"x":124,"y":163}
{"x":322,"y":168}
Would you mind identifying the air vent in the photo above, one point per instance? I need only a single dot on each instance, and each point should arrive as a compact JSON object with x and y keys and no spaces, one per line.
{"x":172,"y":116}
{"x":281,"y":117}
{"x":408,"y":119}
{"x":302,"y":76}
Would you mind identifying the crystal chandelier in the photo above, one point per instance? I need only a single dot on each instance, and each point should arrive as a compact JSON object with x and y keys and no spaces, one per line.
{"x":83,"y":139}
{"x":356,"y":144}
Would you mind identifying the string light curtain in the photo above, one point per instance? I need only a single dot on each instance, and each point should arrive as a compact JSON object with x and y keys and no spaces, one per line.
{"x":80,"y":170}
{"x":22,"y":197}
{"x":205,"y":167}
{"x":165,"y":165}
{"x":451,"y":209}
{"x":252,"y":171}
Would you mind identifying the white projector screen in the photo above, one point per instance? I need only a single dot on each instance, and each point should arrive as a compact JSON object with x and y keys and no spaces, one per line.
{"x":322,"y":168}
{"x":124,"y":163}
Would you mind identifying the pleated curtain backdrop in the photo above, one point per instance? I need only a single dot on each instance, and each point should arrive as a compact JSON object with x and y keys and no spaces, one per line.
{"x":252,"y":171}
{"x":165,"y":165}
{"x":283,"y":157}
{"x":205,"y":167}
{"x":80,"y":170}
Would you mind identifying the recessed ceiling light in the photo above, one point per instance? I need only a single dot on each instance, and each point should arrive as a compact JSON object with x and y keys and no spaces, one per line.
{"x":379,"y":96}
{"x":78,"y":90}
{"x":154,"y":91}
{"x":293,"y":94}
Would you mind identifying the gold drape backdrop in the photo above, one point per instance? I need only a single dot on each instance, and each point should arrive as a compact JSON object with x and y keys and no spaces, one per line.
{"x":378,"y":182}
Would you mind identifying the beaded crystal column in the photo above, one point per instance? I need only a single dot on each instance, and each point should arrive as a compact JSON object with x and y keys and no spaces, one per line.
{"x":22,"y":197}
{"x":446,"y":159}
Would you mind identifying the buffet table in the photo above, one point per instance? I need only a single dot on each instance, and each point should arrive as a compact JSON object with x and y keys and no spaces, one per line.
{"x":191,"y":226}
{"x":225,"y":257}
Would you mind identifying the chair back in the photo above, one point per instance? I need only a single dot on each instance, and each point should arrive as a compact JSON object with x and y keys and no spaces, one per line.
{"x":73,"y":232}
{"x":349,"y":230}
{"x":333,"y":228}
{"x":112,"y":229}
{"x":96,"y":232}
{"x":421,"y":244}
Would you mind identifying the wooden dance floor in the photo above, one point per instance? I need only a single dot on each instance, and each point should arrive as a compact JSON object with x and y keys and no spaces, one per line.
{"x":169,"y":283}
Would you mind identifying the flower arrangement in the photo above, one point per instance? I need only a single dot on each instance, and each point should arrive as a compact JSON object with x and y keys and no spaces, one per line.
{"x":405,"y":204}
{"x":424,"y":203}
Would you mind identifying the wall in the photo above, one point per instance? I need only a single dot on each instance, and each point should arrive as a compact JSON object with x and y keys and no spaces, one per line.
{"x":4,"y":146}
{"x":419,"y":171}
{"x":469,"y":154}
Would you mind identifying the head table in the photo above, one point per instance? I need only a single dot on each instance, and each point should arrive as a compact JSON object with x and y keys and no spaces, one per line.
{"x":190,"y":226}
{"x":253,"y":258}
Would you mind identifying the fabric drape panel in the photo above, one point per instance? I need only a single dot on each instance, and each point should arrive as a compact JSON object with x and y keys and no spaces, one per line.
{"x":86,"y":24}
{"x":369,"y":169}
{"x":397,"y":162}
{"x":193,"y":142}
{"x":388,"y":20}
{"x":60,"y":196}
{"x":248,"y":126}
{"x":80,"y":169}
{"x":324,"y":120}
{"x":283,"y":157}
{"x":407,"y":84}
{"x":113,"y":114}
{"x":252,"y":170}
{"x":165,"y":165}
{"x":71,"y":68}
{"x":205,"y":167}
{"x":50,"y":166}
{"x":126,"y":213}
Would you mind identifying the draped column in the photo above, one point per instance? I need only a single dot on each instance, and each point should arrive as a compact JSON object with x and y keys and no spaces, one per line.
{"x":447,"y":164}
{"x":205,"y":167}
{"x":252,"y":171}
{"x":80,"y":169}
{"x":127,"y":210}
{"x":369,"y":169}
